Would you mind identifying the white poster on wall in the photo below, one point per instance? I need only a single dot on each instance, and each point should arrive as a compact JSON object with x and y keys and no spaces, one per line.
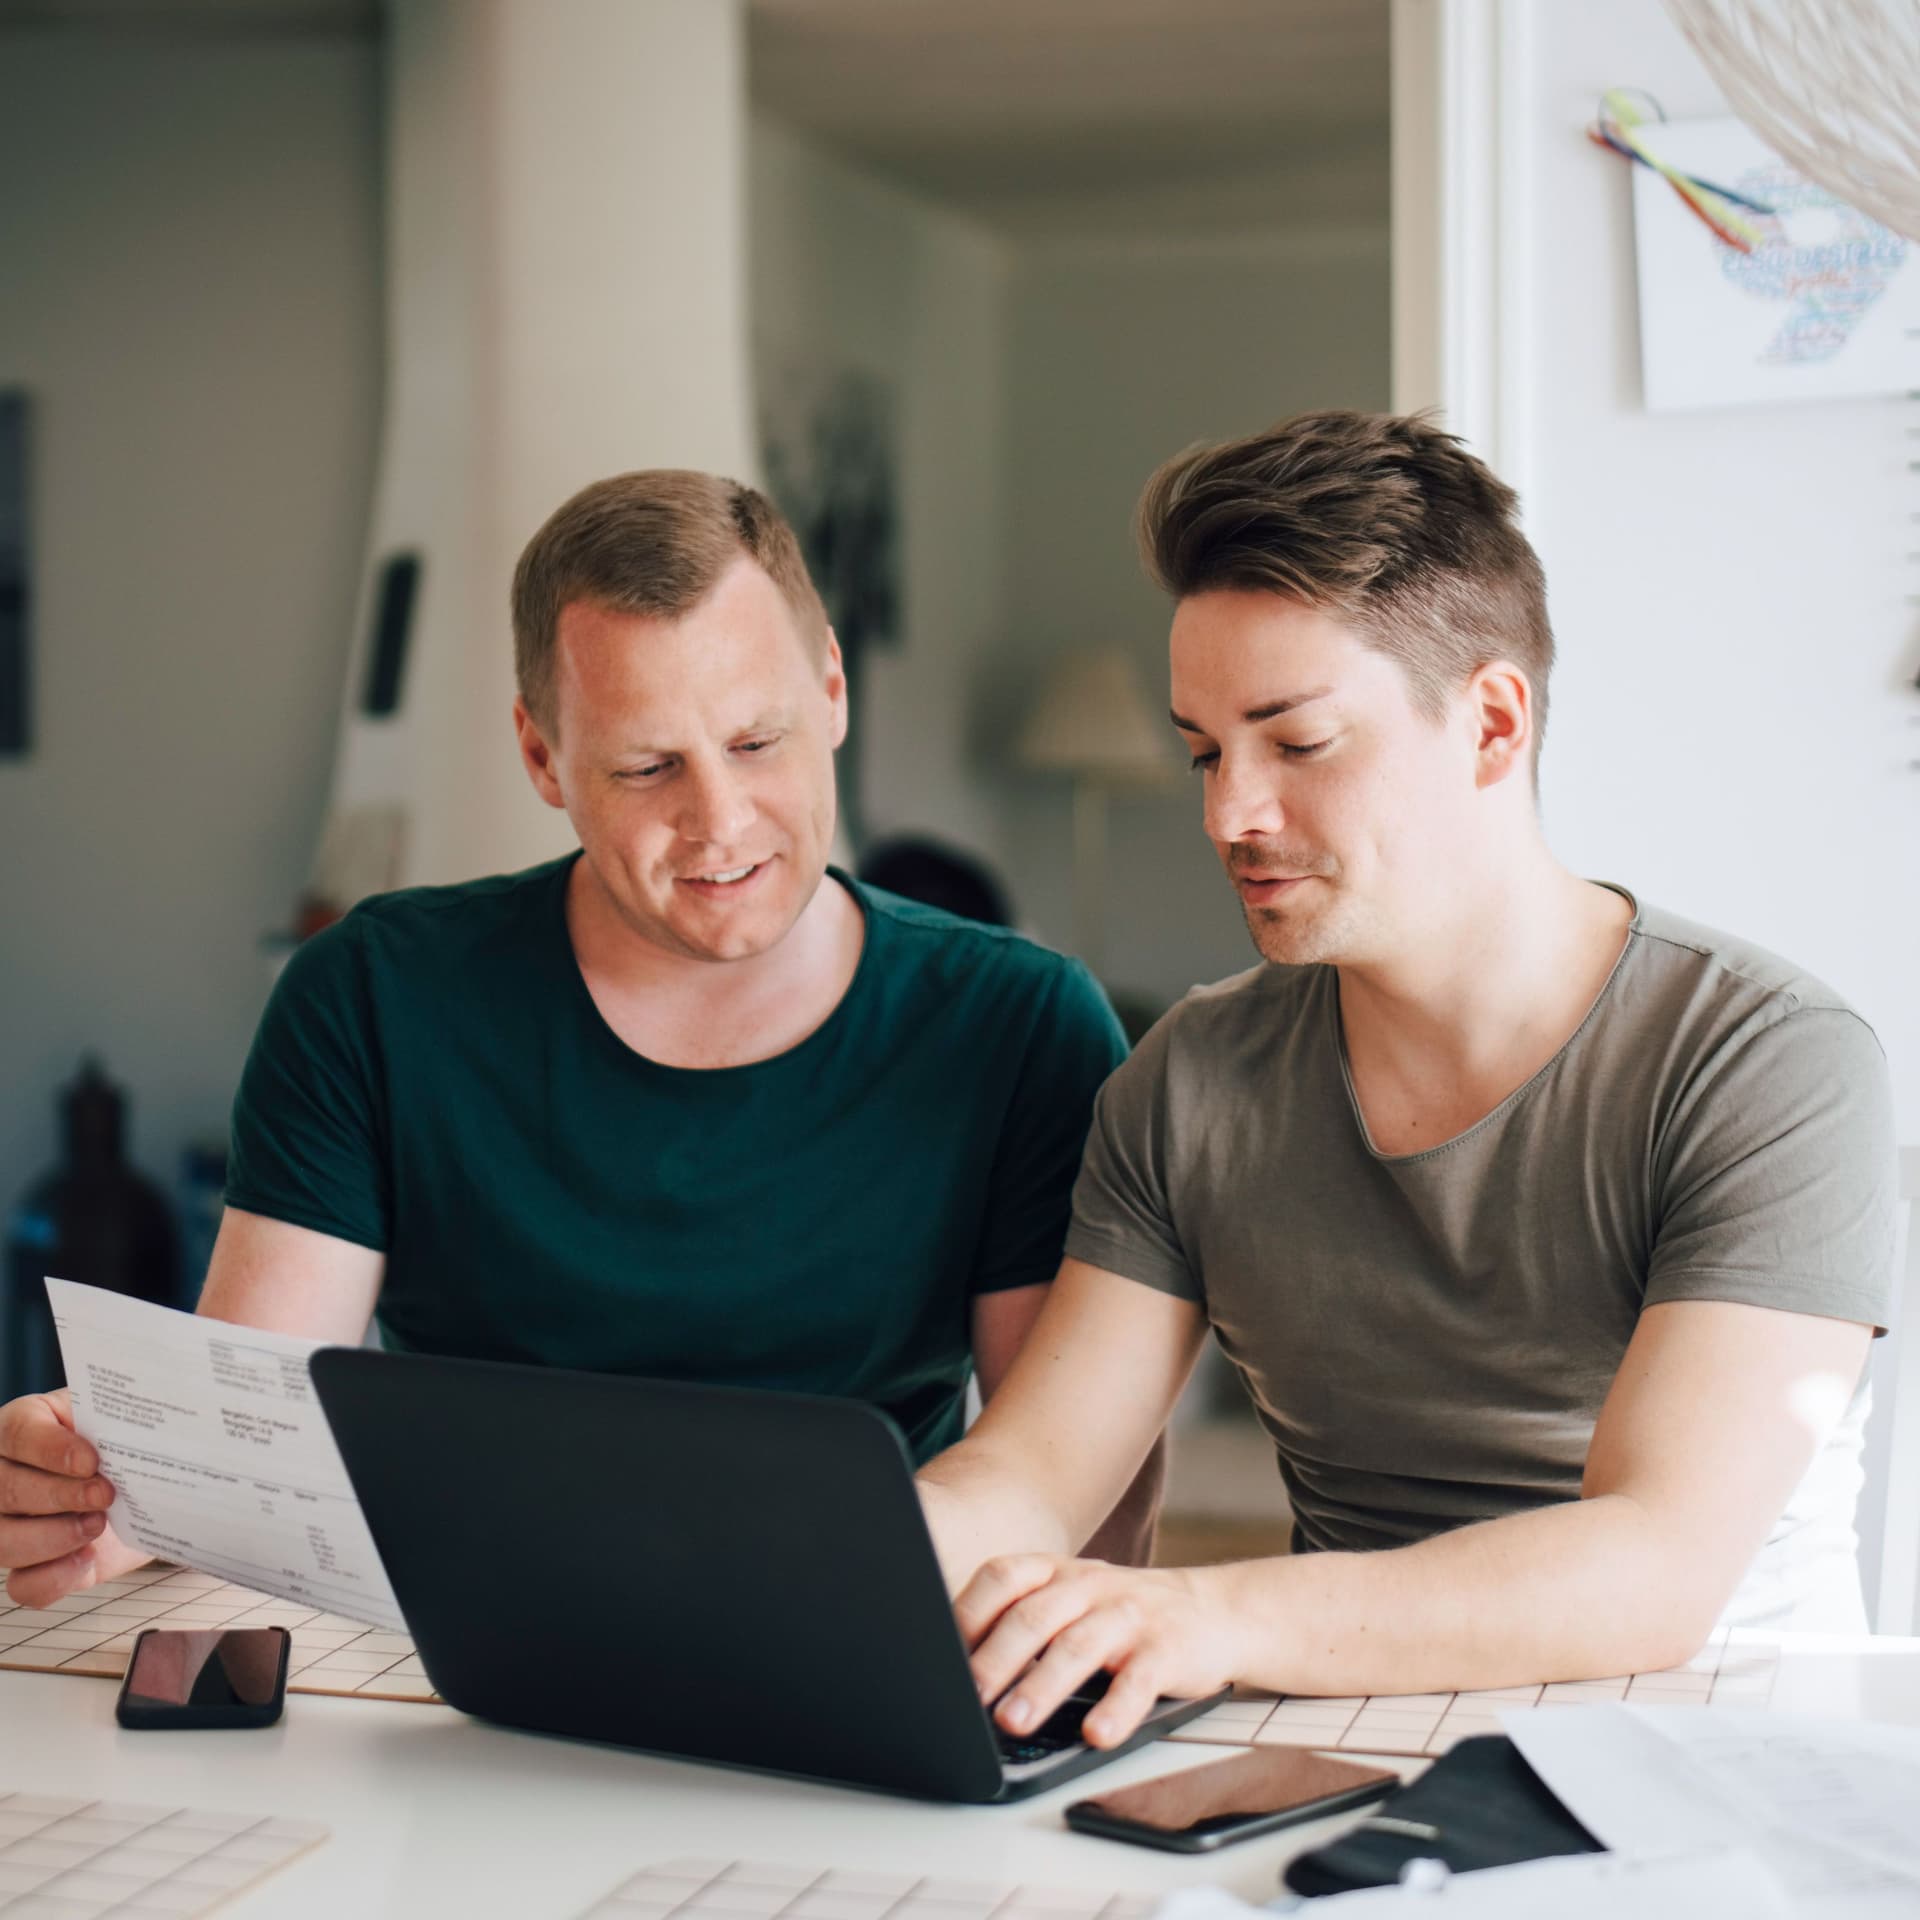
{"x":1826,"y":304}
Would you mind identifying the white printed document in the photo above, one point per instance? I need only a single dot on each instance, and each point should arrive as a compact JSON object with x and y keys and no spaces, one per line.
{"x":218,"y":1450}
{"x":1580,"y":1886}
{"x":1829,"y":1806}
{"x":1577,"y":1886}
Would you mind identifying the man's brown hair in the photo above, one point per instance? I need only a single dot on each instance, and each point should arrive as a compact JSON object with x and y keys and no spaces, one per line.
{"x":652,"y":543}
{"x":1380,"y":519}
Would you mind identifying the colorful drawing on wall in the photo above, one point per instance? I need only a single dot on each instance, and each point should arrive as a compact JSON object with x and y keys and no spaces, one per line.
{"x":1825,"y":304}
{"x":827,"y":437}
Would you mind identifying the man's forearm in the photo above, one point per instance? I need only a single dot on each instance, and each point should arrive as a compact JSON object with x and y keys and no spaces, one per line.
{"x":1125,"y":1537}
{"x":1575,"y":1591}
{"x":978,"y":1506}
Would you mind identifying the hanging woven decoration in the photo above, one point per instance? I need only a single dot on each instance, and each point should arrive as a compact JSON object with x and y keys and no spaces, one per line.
{"x":1833,"y":86}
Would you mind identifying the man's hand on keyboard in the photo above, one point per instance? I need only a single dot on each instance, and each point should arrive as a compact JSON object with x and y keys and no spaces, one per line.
{"x":1156,"y":1631}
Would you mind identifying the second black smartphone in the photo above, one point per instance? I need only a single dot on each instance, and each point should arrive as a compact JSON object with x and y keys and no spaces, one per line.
{"x":219,"y":1677}
{"x":1212,"y":1806}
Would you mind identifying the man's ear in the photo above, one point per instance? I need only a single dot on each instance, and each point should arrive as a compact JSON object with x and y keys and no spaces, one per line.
{"x":836,"y":682}
{"x":536,"y":755}
{"x":1500,"y":698}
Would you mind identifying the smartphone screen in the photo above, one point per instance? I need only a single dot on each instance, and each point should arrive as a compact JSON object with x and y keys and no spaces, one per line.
{"x":1231,"y":1799}
{"x":211,"y":1677}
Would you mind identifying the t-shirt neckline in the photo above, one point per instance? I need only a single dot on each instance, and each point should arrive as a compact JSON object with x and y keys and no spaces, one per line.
{"x":1506,"y":1106}
{"x":798,"y":1054}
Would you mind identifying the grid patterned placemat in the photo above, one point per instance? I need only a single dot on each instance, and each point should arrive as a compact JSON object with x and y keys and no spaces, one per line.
{"x":77,"y":1859}
{"x":1720,"y":1675}
{"x":92,"y":1632}
{"x":758,"y":1890}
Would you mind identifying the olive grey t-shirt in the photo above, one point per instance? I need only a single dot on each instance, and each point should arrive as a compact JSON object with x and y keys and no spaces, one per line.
{"x":1428,"y":1336}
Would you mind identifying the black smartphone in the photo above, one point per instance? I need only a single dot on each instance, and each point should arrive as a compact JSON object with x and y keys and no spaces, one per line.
{"x":1213,"y":1806}
{"x":219,"y":1677}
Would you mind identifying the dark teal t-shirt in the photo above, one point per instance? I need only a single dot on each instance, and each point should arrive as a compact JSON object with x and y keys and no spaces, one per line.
{"x":432,"y":1079}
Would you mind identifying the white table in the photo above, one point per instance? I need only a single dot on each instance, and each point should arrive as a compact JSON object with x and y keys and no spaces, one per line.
{"x":433,"y":1813}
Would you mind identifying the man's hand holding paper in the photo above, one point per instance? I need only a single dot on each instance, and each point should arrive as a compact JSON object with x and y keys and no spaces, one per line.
{"x":217,"y":1452}
{"x":54,"y":1534}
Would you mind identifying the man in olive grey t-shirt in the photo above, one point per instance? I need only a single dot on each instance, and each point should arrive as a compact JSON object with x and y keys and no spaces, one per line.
{"x":1429,"y":1336}
{"x":1548,"y":1231}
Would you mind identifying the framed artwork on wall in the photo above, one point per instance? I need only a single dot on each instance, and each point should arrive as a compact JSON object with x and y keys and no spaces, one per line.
{"x":1825,"y":304}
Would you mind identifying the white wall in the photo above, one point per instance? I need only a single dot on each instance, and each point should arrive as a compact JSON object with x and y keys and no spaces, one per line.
{"x":1122,"y":354}
{"x":1732,"y":716}
{"x":849,"y":273}
{"x":1039,"y":379}
{"x":190,"y":232}
{"x":1729,"y":732}
{"x":566,"y":278}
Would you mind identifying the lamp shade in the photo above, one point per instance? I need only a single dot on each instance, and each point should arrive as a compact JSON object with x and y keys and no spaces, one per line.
{"x":1094,"y":718}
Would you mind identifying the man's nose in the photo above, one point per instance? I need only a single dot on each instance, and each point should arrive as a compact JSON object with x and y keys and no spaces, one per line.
{"x":1241,"y":801}
{"x":718,"y":809}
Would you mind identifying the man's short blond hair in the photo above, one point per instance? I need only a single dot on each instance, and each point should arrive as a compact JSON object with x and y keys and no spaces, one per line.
{"x":652,"y":543}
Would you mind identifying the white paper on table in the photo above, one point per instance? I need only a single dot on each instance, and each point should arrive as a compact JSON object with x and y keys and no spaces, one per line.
{"x":1827,"y":1805}
{"x":1581,"y":1886}
{"x":218,"y":1450}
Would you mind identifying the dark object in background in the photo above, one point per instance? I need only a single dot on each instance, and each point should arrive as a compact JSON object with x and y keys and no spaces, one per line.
{"x":94,"y":1220}
{"x":1479,"y":1805}
{"x":16,"y":599}
{"x":829,"y":440}
{"x":1136,"y":1013}
{"x":938,"y":876}
{"x":392,"y":624}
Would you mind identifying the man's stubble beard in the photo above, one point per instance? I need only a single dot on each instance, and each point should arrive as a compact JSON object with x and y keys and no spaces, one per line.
{"x":1288,"y":939}
{"x":1284,"y":936}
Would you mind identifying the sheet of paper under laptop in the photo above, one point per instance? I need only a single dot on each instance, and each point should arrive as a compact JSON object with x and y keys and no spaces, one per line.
{"x":218,"y":1451}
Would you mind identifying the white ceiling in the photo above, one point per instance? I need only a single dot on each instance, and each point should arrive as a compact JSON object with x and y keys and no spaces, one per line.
{"x":1036,"y":116}
{"x":1005,"y":107}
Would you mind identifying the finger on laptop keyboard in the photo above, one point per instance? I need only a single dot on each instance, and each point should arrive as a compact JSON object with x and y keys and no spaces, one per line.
{"x":1025,"y":1630}
{"x":1085,"y":1647}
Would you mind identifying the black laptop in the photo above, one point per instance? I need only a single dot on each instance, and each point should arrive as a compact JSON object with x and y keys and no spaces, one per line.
{"x":710,"y":1572}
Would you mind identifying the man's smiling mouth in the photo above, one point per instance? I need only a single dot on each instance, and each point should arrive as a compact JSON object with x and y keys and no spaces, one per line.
{"x":723,"y":876}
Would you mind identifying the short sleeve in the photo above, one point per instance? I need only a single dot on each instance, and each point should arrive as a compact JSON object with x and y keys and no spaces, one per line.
{"x":1778,"y":1178}
{"x":307,"y":1122}
{"x":1075,"y":1043}
{"x":1122,"y":1209}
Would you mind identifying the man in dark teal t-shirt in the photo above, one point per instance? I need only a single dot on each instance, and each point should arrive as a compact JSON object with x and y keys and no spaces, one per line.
{"x":434,"y":1081}
{"x":686,"y":1104}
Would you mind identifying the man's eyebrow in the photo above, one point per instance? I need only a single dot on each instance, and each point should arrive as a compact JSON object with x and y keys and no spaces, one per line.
{"x":1272,"y":710}
{"x":769,"y":722}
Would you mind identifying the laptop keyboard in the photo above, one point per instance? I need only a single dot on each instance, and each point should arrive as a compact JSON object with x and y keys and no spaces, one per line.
{"x":1059,"y":1731}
